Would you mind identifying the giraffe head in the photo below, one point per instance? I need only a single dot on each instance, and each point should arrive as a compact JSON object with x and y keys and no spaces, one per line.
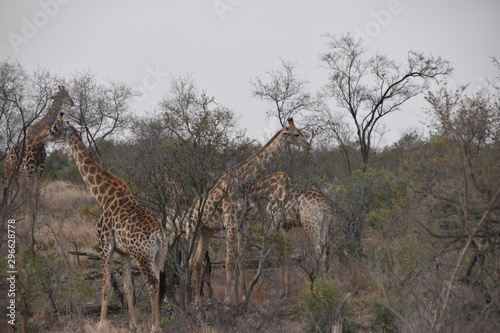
{"x":58,"y":131}
{"x":63,"y":95}
{"x":294,"y":135}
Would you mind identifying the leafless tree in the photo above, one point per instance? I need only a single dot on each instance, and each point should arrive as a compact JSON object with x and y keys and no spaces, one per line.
{"x":24,"y":97}
{"x":102,"y":109}
{"x":369,"y":89}
{"x":286,"y":93}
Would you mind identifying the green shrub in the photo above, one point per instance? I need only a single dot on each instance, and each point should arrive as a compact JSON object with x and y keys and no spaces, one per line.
{"x":77,"y":293}
{"x":87,"y":211}
{"x":319,"y":306}
{"x":80,"y":287}
{"x":384,"y":316}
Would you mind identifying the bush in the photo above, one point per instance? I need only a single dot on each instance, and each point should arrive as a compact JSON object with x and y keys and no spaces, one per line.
{"x":79,"y":291}
{"x":384,"y":317}
{"x":87,"y":211}
{"x":320,"y":305}
{"x":60,"y":166}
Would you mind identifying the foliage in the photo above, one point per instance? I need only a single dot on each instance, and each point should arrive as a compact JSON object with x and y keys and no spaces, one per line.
{"x":87,"y":211}
{"x":384,"y":317}
{"x":79,"y":291}
{"x":168,"y":322}
{"x":359,"y":197}
{"x":40,"y":274}
{"x":319,"y":305}
{"x":61,"y":166}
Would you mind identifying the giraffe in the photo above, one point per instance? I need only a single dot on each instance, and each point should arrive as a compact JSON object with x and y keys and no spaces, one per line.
{"x":290,"y":207}
{"x":28,"y":157}
{"x":225,"y":206}
{"x":124,"y":227}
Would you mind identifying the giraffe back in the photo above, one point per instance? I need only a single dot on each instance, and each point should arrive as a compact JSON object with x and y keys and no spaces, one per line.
{"x":290,"y":207}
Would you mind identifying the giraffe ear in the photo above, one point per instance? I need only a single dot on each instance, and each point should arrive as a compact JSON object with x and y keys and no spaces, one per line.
{"x":53,"y":129}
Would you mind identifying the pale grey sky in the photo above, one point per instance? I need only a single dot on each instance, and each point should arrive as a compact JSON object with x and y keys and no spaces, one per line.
{"x":226,"y":43}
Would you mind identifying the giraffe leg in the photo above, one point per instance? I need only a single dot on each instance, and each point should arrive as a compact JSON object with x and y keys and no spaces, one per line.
{"x":241,"y":237}
{"x":153,"y":282}
{"x":129,"y":291}
{"x":323,"y":244}
{"x":320,"y":248}
{"x":106,"y":243}
{"x":106,"y":256}
{"x":230,"y":249}
{"x":285,"y":269}
{"x":205,"y":236}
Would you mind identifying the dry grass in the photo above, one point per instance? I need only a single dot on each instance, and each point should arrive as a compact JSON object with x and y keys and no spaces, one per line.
{"x":64,"y":199}
{"x":72,"y":324}
{"x":66,"y":222}
{"x":68,"y":219}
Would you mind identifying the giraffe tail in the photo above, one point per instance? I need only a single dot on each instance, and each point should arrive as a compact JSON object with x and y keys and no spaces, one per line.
{"x":163,"y":265}
{"x":163,"y":284}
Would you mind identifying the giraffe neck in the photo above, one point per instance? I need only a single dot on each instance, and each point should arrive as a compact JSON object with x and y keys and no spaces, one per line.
{"x":256,"y":165}
{"x":105,"y":187}
{"x":47,"y":119}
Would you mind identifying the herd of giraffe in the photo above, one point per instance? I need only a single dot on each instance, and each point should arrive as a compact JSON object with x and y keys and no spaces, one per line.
{"x":129,"y":229}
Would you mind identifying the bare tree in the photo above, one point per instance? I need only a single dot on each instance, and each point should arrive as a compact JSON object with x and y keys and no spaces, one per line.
{"x":103,"y":109}
{"x":369,"y":89}
{"x":285,"y":92}
{"x":195,"y":116}
{"x":24,"y":98}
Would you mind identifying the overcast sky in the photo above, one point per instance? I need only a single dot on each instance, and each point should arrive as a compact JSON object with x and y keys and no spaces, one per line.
{"x":226,"y":43}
